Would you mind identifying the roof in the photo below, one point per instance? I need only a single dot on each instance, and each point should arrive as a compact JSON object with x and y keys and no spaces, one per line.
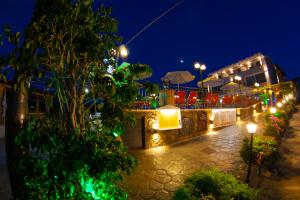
{"x":236,"y":64}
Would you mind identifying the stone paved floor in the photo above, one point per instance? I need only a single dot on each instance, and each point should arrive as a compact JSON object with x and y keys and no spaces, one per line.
{"x":162,"y":170}
{"x":285,"y":185}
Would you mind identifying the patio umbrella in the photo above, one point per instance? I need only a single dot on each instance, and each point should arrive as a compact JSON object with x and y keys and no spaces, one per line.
{"x":178,"y":77}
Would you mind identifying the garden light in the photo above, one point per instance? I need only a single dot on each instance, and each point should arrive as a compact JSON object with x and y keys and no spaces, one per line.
{"x":273,"y":110}
{"x":251,"y":127}
{"x":279,"y":104}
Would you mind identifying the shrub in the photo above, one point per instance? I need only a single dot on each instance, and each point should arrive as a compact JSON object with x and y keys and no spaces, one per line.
{"x":60,"y":165}
{"x":265,"y":151}
{"x":213,"y":184}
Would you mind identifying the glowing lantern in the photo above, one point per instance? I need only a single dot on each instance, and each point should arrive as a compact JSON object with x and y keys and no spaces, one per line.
{"x":168,"y":117}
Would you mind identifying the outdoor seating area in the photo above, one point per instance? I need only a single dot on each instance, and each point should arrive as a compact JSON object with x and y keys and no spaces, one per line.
{"x":193,"y":98}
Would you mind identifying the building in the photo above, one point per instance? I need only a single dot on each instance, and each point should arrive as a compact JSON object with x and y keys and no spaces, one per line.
{"x":250,"y":72}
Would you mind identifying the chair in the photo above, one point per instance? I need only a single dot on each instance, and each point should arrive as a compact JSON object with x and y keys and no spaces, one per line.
{"x":180,"y":97}
{"x":192,"y":98}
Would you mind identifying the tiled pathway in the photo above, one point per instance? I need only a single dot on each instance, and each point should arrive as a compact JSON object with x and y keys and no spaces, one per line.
{"x":161,"y":170}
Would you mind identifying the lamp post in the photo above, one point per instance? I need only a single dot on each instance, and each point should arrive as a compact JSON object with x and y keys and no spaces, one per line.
{"x":201,"y":68}
{"x":238,"y":79}
{"x":123,"y":51}
{"x":251,"y":127}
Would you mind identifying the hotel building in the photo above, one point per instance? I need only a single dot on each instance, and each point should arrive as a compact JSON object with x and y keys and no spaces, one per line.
{"x":258,"y":68}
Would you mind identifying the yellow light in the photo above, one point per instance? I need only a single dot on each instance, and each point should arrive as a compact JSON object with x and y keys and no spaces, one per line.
{"x":279,"y":104}
{"x":249,"y":64}
{"x":168,"y":117}
{"x":290,"y":96}
{"x":123,"y":51}
{"x":286,"y":98}
{"x":155,"y":125}
{"x":155,"y":138}
{"x":283,"y":101}
{"x":251,"y":127}
{"x":202,"y":67}
{"x":197,"y":65}
{"x":273,"y":110}
{"x":231,"y":70}
{"x":168,"y":111}
{"x":254,"y":106}
{"x":256,"y":84}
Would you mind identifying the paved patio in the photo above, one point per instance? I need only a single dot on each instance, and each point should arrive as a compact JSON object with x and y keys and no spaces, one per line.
{"x":162,"y":170}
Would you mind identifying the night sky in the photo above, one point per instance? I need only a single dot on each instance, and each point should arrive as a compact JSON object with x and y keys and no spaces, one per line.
{"x":216,"y":33}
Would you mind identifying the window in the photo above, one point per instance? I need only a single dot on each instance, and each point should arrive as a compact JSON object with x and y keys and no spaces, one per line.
{"x":250,"y":80}
{"x":260,"y":78}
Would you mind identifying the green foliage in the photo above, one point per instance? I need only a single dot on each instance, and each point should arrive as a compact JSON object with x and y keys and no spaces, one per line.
{"x":212,"y":185}
{"x":67,"y":155}
{"x":289,"y":107}
{"x":77,"y":165}
{"x":265,"y":151}
{"x":276,"y":123}
{"x":151,"y":88}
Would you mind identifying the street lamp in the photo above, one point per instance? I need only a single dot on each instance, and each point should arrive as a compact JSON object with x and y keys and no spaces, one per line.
{"x":238,"y":79}
{"x":123,"y":51}
{"x":201,"y":68}
{"x":251,"y":127}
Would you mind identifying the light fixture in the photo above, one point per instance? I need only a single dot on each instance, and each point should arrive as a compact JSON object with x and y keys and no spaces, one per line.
{"x":279,"y":104}
{"x":256,"y":84}
{"x":86,"y":90}
{"x":251,"y":127}
{"x":202,"y":67}
{"x":124,"y":52}
{"x":273,"y":110}
{"x":238,"y":78}
{"x":283,"y":101}
{"x":197,"y":65}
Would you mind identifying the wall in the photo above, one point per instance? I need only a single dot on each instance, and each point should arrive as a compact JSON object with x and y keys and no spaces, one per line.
{"x":195,"y":122}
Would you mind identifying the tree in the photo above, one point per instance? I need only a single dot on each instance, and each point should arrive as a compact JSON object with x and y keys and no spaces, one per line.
{"x":71,"y":156}
{"x":23,"y":60}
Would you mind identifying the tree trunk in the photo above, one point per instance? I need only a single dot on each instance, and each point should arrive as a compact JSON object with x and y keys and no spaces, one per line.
{"x":16,"y":116}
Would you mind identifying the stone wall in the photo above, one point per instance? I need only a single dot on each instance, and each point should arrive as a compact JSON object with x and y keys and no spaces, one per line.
{"x":195,"y":122}
{"x":245,"y":113}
